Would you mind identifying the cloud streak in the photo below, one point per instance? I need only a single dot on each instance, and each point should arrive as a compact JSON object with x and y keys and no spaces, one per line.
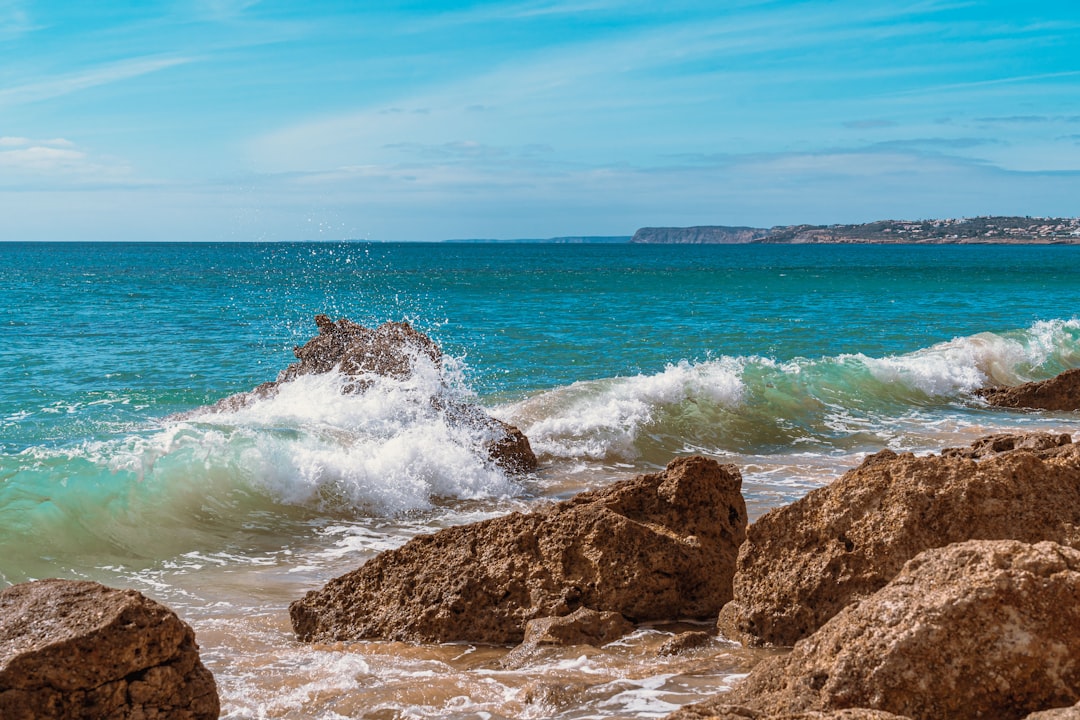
{"x":47,"y":88}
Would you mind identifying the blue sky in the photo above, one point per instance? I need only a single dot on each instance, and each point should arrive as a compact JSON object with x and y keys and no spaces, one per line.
{"x":414,"y":120}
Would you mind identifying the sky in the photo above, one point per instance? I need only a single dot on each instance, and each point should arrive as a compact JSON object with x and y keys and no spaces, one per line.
{"x":241,"y":120}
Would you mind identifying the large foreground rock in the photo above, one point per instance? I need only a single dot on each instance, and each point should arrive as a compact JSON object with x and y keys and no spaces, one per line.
{"x":981,"y":629}
{"x":659,"y":546}
{"x":801,"y":564}
{"x":392,"y":350}
{"x":72,"y":649}
{"x":1058,"y":393}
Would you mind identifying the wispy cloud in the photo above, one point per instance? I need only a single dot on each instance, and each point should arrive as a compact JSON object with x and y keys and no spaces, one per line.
{"x":977,"y":84}
{"x":59,"y":85}
{"x":14,"y":19}
{"x":869,"y":124}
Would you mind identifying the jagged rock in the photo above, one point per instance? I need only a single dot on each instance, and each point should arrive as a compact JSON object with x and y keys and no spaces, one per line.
{"x":75,"y":649}
{"x":1061,"y":392}
{"x":390,"y":350}
{"x":584,"y":626}
{"x":739,"y":712}
{"x":684,"y":642}
{"x":980,"y":629}
{"x":801,"y":564}
{"x":658,"y":546}
{"x":1004,"y":442}
{"x":1063,"y":713}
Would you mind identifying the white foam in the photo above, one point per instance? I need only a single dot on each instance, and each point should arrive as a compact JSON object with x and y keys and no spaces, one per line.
{"x":603,"y":418}
{"x":964,"y":364}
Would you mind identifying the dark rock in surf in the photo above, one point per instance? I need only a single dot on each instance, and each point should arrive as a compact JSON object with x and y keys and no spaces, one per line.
{"x":980,"y":629}
{"x":801,"y":564}
{"x":584,"y":626}
{"x":74,"y":649}
{"x":1061,"y":392}
{"x":391,"y":350}
{"x":657,"y":547}
{"x":685,"y":642}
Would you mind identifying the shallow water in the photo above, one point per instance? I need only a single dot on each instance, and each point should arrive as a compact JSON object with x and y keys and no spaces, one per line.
{"x":791,"y":362}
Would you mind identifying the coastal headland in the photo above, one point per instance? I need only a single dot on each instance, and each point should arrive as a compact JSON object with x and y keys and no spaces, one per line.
{"x":977,"y":230}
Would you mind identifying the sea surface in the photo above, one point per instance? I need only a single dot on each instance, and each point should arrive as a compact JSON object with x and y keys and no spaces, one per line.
{"x":793,"y":362}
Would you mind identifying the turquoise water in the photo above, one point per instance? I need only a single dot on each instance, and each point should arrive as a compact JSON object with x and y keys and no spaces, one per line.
{"x":792,"y":361}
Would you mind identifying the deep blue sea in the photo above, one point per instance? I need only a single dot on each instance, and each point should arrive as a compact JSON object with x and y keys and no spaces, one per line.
{"x":791,"y":361}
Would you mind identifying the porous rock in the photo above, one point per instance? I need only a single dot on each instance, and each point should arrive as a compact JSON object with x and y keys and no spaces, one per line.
{"x":980,"y":629}
{"x":1065,"y":713}
{"x":658,"y":546}
{"x":1061,"y":392}
{"x":584,"y":626}
{"x":1004,"y":442}
{"x":76,"y":649}
{"x":684,"y":642}
{"x":390,"y":350}
{"x":802,"y":563}
{"x":740,"y":712}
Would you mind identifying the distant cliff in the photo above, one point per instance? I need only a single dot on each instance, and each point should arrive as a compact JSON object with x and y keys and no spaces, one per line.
{"x":699,"y":235}
{"x":1018,"y":230}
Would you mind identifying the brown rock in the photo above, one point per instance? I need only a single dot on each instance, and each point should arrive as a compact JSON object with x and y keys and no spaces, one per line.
{"x":584,"y":626}
{"x":739,"y":712}
{"x":803,"y":563}
{"x":1004,"y":442}
{"x":1064,"y":713}
{"x":390,"y":350}
{"x":684,"y":642}
{"x":659,"y":546}
{"x":980,"y":629}
{"x":74,"y":649}
{"x":1061,"y":392}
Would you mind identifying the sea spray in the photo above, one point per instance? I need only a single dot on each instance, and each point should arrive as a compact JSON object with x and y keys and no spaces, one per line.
{"x":310,"y":450}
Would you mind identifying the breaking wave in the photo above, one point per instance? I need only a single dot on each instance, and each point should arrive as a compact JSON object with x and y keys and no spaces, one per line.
{"x":756,"y":405}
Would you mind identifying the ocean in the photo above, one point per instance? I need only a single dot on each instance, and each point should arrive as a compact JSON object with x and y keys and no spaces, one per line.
{"x":792,"y":362}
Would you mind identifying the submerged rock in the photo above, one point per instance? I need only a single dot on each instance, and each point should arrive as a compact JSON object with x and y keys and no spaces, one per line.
{"x":801,"y":564}
{"x":74,"y":649}
{"x":1061,"y":392}
{"x":684,"y":642}
{"x":584,"y":626}
{"x":391,"y":350}
{"x":657,"y":547}
{"x":980,"y":629}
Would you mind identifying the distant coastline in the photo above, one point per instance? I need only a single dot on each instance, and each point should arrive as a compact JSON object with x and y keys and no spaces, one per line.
{"x":989,"y":230}
{"x":979,"y":230}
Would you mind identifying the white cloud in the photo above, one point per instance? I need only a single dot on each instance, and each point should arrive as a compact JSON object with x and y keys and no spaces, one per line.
{"x":59,"y":85}
{"x":56,"y":163}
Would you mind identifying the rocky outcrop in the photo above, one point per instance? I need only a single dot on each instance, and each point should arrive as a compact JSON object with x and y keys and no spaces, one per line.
{"x":658,"y":546}
{"x":1005,"y":442}
{"x":1058,"y":393}
{"x":73,"y":649}
{"x":801,"y":564}
{"x":391,"y":350}
{"x":980,"y":629}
